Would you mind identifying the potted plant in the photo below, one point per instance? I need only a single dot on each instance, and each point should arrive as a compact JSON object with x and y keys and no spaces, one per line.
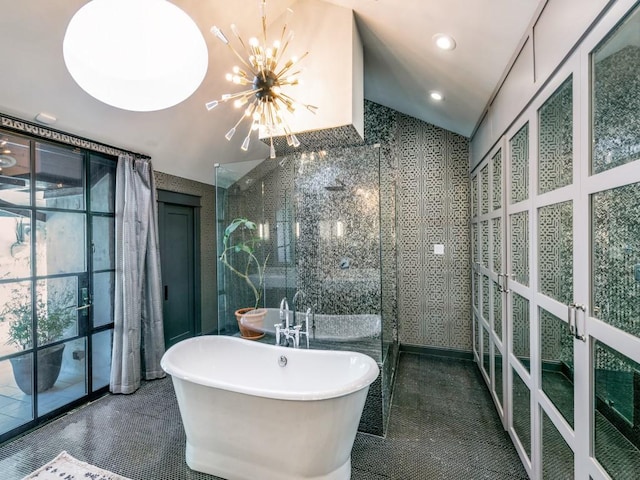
{"x":54,"y":316}
{"x":239,"y":244}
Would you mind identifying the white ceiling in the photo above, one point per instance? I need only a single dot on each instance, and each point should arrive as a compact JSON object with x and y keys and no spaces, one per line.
{"x":401,"y":66}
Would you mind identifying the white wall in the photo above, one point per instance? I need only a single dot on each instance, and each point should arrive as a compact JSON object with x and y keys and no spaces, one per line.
{"x":550,"y":38}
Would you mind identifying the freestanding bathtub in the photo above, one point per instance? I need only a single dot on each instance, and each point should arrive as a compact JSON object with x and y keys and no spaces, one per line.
{"x":254,"y":411}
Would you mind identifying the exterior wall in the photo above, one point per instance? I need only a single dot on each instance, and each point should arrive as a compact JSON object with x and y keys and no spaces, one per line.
{"x":208,"y":263}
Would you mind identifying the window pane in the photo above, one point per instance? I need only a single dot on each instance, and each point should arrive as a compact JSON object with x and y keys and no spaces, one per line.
{"x":60,"y":243}
{"x":101,"y":359}
{"x":555,"y":141}
{"x":103,"y":184}
{"x":616,"y":98}
{"x":555,"y":255}
{"x":103,"y":243}
{"x":16,"y":331}
{"x":15,"y":244}
{"x":59,"y":177}
{"x":521,"y":345}
{"x":62,"y":375}
{"x":519,"y":144}
{"x":103,"y":292}
{"x":556,"y":343}
{"x":617,"y":446}
{"x":15,"y":406}
{"x":15,"y":170}
{"x":56,"y":303}
{"x":616,"y":257}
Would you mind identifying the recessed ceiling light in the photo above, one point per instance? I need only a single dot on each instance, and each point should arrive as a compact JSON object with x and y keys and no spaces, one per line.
{"x":437,"y":96}
{"x":444,"y":41}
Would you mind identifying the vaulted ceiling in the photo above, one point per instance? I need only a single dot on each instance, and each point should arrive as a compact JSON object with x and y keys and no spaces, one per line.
{"x":401,"y":66}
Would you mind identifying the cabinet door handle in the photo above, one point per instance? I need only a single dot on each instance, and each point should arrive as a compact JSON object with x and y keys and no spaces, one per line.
{"x":583,"y":308}
{"x":571,"y":318}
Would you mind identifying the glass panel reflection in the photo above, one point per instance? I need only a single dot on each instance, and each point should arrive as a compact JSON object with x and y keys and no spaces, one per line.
{"x":555,"y":257}
{"x":62,"y":371}
{"x":615,"y":98}
{"x":556,"y":343}
{"x":486,"y":354}
{"x":497,"y":359}
{"x":497,"y":310}
{"x":522,"y":412}
{"x":60,"y":243}
{"x":102,"y":306}
{"x":520,"y":319}
{"x":496,"y":177}
{"x":103,"y":184}
{"x":484,"y":189}
{"x":557,"y":456}
{"x":485,"y":298}
{"x":555,"y":139}
{"x":519,"y":144}
{"x":101,"y":358}
{"x":617,"y":404}
{"x":15,"y":317}
{"x":15,"y":170}
{"x":15,"y":406}
{"x":484,"y":239}
{"x":103,"y":243}
{"x":520,"y":247}
{"x":616,"y":257}
{"x":56,"y":303}
{"x":59,"y":177}
{"x":497,"y":244}
{"x":15,"y":243}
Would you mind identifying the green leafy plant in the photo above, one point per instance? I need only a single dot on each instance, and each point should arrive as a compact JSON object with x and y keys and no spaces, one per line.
{"x":239,"y":248}
{"x":54,"y":316}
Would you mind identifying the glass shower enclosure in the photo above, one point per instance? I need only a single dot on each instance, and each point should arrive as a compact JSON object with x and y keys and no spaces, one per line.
{"x":326,"y":228}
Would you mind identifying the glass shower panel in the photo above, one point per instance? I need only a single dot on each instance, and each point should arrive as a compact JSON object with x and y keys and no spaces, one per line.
{"x":615,"y":99}
{"x":496,"y":225}
{"x":485,"y":298}
{"x":557,"y":456}
{"x":520,"y":319}
{"x":521,"y":404}
{"x":486,"y":353}
{"x":555,"y":251}
{"x":520,"y":247}
{"x":616,"y":257}
{"x":497,"y":309}
{"x":617,"y":408}
{"x":497,"y":362}
{"x":556,"y":355}
{"x":555,"y":139}
{"x":519,"y":146}
{"x":474,"y":196}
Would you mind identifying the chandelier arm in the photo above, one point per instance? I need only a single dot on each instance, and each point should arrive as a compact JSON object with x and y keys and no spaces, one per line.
{"x":290,"y":64}
{"x":263,"y":14}
{"x":230,"y":96}
{"x":244,"y":62}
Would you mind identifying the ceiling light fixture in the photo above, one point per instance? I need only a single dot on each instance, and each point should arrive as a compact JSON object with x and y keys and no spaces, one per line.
{"x":437,"y":96}
{"x":444,"y":41}
{"x":139,"y":55}
{"x":265,"y":104}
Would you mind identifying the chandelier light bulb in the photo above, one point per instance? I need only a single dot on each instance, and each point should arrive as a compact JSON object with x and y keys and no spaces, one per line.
{"x":444,"y":41}
{"x":211,"y":105}
{"x":264,"y":77}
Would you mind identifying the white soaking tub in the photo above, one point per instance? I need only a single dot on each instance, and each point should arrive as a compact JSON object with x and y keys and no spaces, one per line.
{"x":255,"y":411}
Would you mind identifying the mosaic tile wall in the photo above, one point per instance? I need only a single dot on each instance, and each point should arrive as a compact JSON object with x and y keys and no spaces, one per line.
{"x":208,"y":260}
{"x":434,"y":302}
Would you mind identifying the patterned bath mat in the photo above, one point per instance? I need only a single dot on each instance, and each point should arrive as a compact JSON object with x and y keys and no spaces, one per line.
{"x":64,"y":466}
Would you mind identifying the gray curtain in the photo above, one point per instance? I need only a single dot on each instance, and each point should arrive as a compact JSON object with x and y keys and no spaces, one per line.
{"x":138,"y":337}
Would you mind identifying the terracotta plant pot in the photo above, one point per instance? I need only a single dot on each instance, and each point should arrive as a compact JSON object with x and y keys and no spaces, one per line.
{"x":250,"y":321}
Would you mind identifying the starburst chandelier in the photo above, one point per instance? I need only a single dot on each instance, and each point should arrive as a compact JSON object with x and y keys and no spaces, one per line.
{"x":265,"y":72}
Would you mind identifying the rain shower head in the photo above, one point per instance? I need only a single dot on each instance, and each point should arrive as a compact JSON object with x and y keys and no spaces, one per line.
{"x":336,"y":188}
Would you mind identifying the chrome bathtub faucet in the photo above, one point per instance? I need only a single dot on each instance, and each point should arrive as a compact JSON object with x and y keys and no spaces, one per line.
{"x":288,"y":331}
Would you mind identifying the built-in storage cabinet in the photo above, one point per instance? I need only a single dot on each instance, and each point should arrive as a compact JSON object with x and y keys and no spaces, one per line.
{"x":557,"y":264}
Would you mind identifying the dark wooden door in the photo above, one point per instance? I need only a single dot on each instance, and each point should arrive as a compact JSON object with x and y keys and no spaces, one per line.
{"x":177,"y":224}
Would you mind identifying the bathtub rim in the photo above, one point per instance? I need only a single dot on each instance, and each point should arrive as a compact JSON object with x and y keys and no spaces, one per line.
{"x":358,"y":384}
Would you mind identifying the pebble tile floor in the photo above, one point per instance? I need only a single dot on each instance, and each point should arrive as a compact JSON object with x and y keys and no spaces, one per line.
{"x":443,"y":425}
